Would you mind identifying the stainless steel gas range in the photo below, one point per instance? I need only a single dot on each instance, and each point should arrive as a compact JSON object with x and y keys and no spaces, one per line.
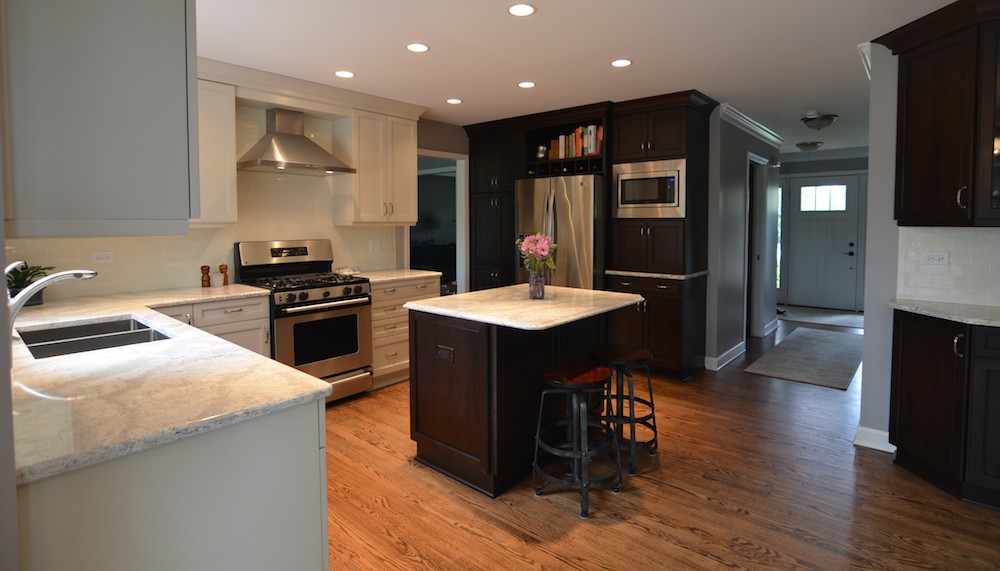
{"x":321,"y":320}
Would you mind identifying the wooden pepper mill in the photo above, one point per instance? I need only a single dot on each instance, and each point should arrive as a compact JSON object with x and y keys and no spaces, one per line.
{"x":205,"y":280}
{"x":223,"y":269}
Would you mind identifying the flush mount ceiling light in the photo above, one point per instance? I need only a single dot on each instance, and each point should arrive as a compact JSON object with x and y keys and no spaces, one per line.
{"x":454,"y":101}
{"x":809,"y":146}
{"x":344,"y":74}
{"x":521,"y":9}
{"x":526,"y":84}
{"x":621,"y":63}
{"x":418,"y":48}
{"x":818,"y":121}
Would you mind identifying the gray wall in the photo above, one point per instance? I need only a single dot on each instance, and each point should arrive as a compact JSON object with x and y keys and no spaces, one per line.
{"x":727,"y":237}
{"x":882,"y":253}
{"x":437,"y":136}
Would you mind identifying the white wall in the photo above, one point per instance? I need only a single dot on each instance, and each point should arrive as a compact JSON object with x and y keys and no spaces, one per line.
{"x":271,"y":207}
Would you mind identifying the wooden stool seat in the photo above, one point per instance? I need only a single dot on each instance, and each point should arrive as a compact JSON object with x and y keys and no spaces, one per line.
{"x":579,"y":375}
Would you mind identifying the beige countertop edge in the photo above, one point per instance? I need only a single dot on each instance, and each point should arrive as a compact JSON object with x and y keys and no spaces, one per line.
{"x":656,"y":276}
{"x":510,"y":307}
{"x":76,"y":410}
{"x":985,"y":315}
{"x":388,"y":276}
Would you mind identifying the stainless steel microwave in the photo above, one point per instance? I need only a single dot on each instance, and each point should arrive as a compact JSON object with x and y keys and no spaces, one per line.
{"x":650,"y":189}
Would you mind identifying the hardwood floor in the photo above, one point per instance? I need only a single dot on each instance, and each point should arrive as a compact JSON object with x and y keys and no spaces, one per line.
{"x":752,"y":473}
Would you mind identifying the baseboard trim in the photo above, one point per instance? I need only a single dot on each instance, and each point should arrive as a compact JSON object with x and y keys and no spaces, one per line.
{"x":716,"y":363}
{"x":771,"y":327}
{"x":875,"y":439}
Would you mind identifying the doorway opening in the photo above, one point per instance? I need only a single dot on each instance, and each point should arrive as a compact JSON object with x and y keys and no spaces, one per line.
{"x":436,"y":241}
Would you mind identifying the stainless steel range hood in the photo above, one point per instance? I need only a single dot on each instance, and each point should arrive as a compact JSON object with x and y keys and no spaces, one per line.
{"x":286,"y":149}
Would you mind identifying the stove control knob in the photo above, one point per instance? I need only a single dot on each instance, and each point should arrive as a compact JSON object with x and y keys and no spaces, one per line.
{"x":303,"y":296}
{"x":347,"y":290}
{"x":290,"y":297}
{"x":358,"y":289}
{"x":326,"y":293}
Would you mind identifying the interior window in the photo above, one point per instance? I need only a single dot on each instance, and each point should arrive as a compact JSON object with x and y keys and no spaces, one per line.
{"x":825,"y":198}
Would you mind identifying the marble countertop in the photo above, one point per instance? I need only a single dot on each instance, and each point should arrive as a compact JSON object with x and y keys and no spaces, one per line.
{"x":388,"y":276}
{"x":655,"y":276}
{"x":510,"y":307}
{"x":75,"y":410}
{"x":959,"y":312}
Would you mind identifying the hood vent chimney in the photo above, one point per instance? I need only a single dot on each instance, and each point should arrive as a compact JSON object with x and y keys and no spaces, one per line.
{"x":286,"y":149}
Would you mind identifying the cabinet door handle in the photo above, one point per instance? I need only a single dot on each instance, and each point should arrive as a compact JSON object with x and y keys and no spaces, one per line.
{"x":422,"y":286}
{"x":392,"y":208}
{"x":626,"y":283}
{"x":391,"y":355}
{"x":661,"y":286}
{"x":954,"y":345}
{"x":958,"y":197}
{"x":187,"y":317}
{"x":393,"y":290}
{"x":390,"y":309}
{"x":388,"y":327}
{"x":267,"y":335}
{"x":645,"y":306}
{"x":237,"y":310}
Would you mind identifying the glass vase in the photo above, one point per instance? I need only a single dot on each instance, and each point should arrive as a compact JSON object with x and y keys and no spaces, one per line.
{"x":536,"y":285}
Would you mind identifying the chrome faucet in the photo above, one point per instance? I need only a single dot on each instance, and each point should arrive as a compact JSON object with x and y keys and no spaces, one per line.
{"x":17,"y":302}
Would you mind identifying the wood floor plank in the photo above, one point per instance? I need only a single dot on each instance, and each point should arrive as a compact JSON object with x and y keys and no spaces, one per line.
{"x":751,"y":473}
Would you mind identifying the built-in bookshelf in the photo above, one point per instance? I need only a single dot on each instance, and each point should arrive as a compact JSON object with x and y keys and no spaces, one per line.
{"x":566,"y":149}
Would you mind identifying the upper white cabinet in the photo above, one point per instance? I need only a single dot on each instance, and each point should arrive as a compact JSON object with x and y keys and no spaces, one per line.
{"x":216,"y":154}
{"x":101,"y":117}
{"x":385,"y":156}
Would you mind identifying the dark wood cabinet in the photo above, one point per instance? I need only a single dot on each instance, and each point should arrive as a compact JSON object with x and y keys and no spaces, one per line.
{"x":492,"y":254}
{"x":658,"y":134}
{"x":643,"y":245}
{"x":946,"y":117}
{"x":496,"y":159}
{"x":670,"y":323}
{"x":944,"y":411}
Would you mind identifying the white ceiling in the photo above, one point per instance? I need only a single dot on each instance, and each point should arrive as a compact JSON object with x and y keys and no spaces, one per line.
{"x":774,"y":60}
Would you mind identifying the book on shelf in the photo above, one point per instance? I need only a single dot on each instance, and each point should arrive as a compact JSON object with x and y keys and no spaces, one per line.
{"x":583,"y":141}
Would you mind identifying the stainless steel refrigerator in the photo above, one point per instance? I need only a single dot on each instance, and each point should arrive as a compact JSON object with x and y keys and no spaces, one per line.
{"x":571,"y":210}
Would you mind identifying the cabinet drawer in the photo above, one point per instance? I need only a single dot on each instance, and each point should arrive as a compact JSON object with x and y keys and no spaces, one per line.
{"x":645,"y":285}
{"x":230,"y":311}
{"x":392,"y":353}
{"x":406,"y":290}
{"x":389,"y":328}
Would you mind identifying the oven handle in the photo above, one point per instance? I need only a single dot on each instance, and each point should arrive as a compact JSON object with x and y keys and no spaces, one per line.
{"x":327,"y":305}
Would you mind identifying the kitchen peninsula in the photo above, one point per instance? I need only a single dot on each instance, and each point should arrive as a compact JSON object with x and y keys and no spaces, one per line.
{"x":475,"y":373}
{"x":180,"y":453}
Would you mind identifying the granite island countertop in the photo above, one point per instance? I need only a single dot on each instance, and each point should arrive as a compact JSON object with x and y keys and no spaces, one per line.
{"x":984,"y":315}
{"x":510,"y":307}
{"x":75,"y":410}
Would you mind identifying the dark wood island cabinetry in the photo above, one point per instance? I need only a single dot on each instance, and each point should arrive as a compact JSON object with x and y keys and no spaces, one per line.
{"x":475,"y":374}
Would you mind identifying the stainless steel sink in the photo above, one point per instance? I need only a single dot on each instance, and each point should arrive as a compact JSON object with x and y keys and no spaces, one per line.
{"x":88,"y":337}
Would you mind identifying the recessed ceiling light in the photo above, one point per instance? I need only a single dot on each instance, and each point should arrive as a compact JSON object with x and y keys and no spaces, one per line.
{"x":526,"y":84}
{"x":621,"y":63}
{"x":454,"y":101}
{"x":344,"y":73}
{"x":417,"y":48}
{"x":521,"y":9}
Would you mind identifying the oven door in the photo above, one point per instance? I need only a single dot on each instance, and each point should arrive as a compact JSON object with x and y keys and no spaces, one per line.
{"x":325,"y":339}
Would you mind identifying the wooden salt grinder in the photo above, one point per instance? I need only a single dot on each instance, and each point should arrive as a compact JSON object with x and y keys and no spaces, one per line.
{"x":223,"y":269}
{"x":205,"y":280}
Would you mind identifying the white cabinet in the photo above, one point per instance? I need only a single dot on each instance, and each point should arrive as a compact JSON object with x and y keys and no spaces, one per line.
{"x":251,"y":495}
{"x":100,"y":119}
{"x":385,"y":156}
{"x":216,"y":154}
{"x":244,"y":321}
{"x":390,"y":326}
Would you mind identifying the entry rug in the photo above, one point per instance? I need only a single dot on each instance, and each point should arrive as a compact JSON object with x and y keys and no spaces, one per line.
{"x":814,"y":356}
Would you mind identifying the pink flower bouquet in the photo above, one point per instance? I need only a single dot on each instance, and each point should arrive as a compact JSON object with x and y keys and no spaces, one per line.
{"x":536,"y":250}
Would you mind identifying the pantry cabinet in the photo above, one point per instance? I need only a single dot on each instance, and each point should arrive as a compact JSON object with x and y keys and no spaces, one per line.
{"x":496,"y":158}
{"x":493,"y":251}
{"x":103,"y":141}
{"x":385,"y":156}
{"x":947,"y":162}
{"x":216,"y":155}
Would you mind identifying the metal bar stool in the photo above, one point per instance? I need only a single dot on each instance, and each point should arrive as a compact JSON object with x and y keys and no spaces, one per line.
{"x":586,"y":434}
{"x":625,"y":359}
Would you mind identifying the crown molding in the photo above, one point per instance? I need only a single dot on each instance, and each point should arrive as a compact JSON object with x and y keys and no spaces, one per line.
{"x":737,"y":118}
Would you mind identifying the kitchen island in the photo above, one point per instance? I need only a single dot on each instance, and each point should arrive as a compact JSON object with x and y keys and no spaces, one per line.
{"x":475,"y":374}
{"x":187,"y":452}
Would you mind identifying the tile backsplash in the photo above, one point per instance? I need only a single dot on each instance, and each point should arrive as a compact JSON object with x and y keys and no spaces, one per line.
{"x":972,"y":275}
{"x":271,"y":207}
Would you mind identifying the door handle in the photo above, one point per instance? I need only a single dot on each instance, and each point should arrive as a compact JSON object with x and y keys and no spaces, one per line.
{"x":954,"y":345}
{"x":848,"y":253}
{"x":958,"y":197}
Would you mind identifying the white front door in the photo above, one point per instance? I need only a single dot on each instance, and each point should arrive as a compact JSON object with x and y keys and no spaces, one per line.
{"x":823,"y":244}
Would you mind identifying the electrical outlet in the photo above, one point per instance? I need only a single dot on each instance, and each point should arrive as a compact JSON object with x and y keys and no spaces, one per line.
{"x":936,"y":258}
{"x":374,"y":245}
{"x":102,"y":257}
